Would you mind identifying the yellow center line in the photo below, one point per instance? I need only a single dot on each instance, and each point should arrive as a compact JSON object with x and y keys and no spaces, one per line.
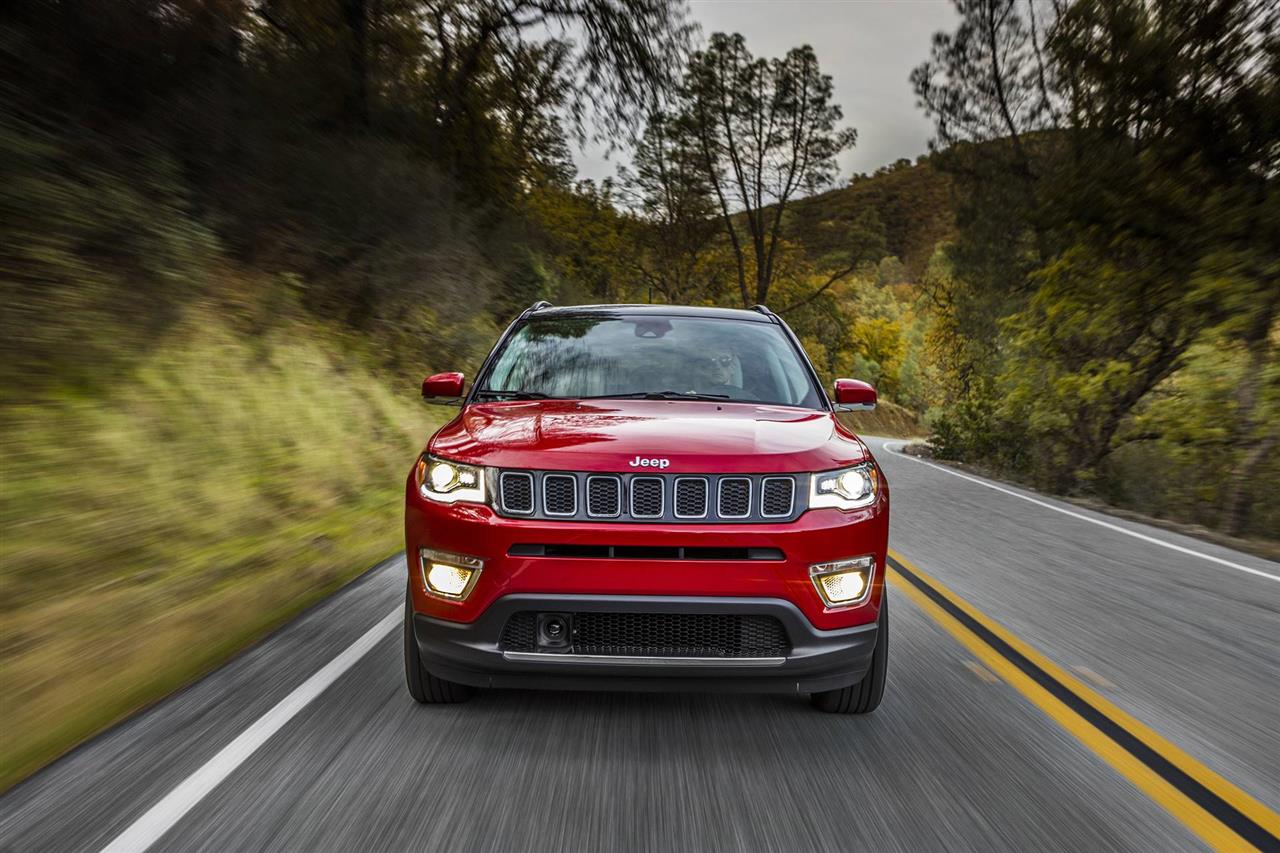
{"x":1204,"y":824}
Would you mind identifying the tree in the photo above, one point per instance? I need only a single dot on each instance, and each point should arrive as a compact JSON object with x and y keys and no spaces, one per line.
{"x":673,"y":198}
{"x":989,"y":79}
{"x":613,"y":55}
{"x":1116,"y":165}
{"x":765,"y":131}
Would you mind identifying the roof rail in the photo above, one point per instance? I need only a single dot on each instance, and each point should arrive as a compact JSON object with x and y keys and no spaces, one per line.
{"x":763,"y":309}
{"x":537,"y":306}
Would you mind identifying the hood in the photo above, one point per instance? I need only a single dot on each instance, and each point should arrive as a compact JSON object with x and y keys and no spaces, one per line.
{"x":694,"y":437}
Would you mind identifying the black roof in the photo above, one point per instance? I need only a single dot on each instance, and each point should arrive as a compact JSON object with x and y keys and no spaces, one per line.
{"x":654,"y":310}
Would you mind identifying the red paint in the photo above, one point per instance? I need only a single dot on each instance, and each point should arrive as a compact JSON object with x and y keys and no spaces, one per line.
{"x":818,"y":535}
{"x":697,"y":437}
{"x":443,"y":385}
{"x":854,"y":392}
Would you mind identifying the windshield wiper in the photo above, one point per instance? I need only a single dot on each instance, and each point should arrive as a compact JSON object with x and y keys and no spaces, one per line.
{"x":660,"y":395}
{"x":515,"y":395}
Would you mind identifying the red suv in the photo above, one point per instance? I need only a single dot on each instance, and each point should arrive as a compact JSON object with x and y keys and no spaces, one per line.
{"x":647,"y":497}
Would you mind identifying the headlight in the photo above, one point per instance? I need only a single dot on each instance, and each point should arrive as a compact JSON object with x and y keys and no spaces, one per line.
{"x":848,"y":488}
{"x":449,"y":482}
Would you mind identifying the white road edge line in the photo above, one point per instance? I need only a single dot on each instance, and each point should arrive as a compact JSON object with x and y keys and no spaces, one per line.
{"x":1135,"y":534}
{"x":161,"y":817}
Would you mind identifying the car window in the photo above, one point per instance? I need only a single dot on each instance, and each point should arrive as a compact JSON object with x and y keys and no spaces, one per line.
{"x":593,"y":356}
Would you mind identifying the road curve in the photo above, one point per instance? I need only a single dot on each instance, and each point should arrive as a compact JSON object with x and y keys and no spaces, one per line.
{"x":308,"y":740}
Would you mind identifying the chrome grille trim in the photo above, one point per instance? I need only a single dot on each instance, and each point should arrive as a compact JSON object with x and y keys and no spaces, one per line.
{"x":662,"y":497}
{"x":617,"y":485}
{"x":658,"y":492}
{"x":764,"y":485}
{"x":706,"y":497}
{"x":502,"y":481}
{"x":573,"y":485}
{"x":720,"y":497}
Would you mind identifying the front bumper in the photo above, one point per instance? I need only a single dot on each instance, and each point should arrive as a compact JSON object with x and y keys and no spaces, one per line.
{"x":819,"y":535}
{"x":470,"y":653}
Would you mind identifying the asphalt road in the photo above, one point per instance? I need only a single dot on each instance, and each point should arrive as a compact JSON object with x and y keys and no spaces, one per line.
{"x":308,"y":742}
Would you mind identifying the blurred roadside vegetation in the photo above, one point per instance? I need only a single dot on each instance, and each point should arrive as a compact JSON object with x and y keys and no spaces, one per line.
{"x":1107,"y":316}
{"x":233,"y":237}
{"x":234,"y":234}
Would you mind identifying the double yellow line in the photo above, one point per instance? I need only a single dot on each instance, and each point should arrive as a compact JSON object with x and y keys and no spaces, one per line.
{"x":1222,"y":815}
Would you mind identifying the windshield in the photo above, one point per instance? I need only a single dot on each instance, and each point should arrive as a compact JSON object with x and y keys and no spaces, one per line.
{"x":622,"y":356}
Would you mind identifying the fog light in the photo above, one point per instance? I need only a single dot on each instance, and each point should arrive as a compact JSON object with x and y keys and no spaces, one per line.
{"x":449,"y":575}
{"x":842,"y":583}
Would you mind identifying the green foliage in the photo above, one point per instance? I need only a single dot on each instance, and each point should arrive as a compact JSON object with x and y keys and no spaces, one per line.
{"x":226,"y":483}
{"x":912,"y":202}
{"x":94,"y":261}
{"x":1116,"y":211}
{"x":1182,"y":435}
{"x":226,"y":230}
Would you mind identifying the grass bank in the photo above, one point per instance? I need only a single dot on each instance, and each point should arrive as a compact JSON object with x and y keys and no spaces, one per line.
{"x":150,"y":531}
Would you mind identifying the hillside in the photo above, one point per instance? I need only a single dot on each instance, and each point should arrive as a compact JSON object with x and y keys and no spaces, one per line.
{"x":912,"y":201}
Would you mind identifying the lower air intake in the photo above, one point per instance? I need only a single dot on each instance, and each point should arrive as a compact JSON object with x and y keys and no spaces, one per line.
{"x":711,"y":635}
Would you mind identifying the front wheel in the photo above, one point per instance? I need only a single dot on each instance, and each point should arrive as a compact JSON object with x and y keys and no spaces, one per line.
{"x":423,"y":686}
{"x":863,"y":697}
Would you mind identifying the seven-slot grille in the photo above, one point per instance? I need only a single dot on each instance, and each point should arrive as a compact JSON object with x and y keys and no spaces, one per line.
{"x":688,"y":498}
{"x":659,"y":635}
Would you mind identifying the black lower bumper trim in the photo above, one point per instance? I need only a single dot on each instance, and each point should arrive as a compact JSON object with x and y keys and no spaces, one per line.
{"x":470,"y":653}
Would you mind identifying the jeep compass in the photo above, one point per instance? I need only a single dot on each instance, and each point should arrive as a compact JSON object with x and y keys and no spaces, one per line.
{"x":647,"y":497}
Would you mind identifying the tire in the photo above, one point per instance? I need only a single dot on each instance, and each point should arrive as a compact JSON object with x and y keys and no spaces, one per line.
{"x":863,"y":697}
{"x":423,"y":686}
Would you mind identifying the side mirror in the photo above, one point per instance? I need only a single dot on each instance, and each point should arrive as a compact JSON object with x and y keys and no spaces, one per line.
{"x":854,"y":395}
{"x":442,"y":385}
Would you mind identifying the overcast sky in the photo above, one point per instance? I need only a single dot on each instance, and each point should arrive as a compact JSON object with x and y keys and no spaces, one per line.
{"x":867,"y":46}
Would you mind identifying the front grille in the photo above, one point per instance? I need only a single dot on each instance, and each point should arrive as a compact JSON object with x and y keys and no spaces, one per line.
{"x":646,"y":497}
{"x":517,"y":492}
{"x":691,"y":497}
{"x":735,"y":497}
{"x":604,"y":497}
{"x":658,"y":635}
{"x":776,"y":496}
{"x":559,"y":494}
{"x":649,"y":497}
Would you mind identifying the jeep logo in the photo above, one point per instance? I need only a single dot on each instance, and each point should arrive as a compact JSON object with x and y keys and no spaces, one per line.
{"x":641,"y":462}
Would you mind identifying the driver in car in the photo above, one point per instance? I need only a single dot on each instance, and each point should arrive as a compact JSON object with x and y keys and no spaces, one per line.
{"x":721,"y":371}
